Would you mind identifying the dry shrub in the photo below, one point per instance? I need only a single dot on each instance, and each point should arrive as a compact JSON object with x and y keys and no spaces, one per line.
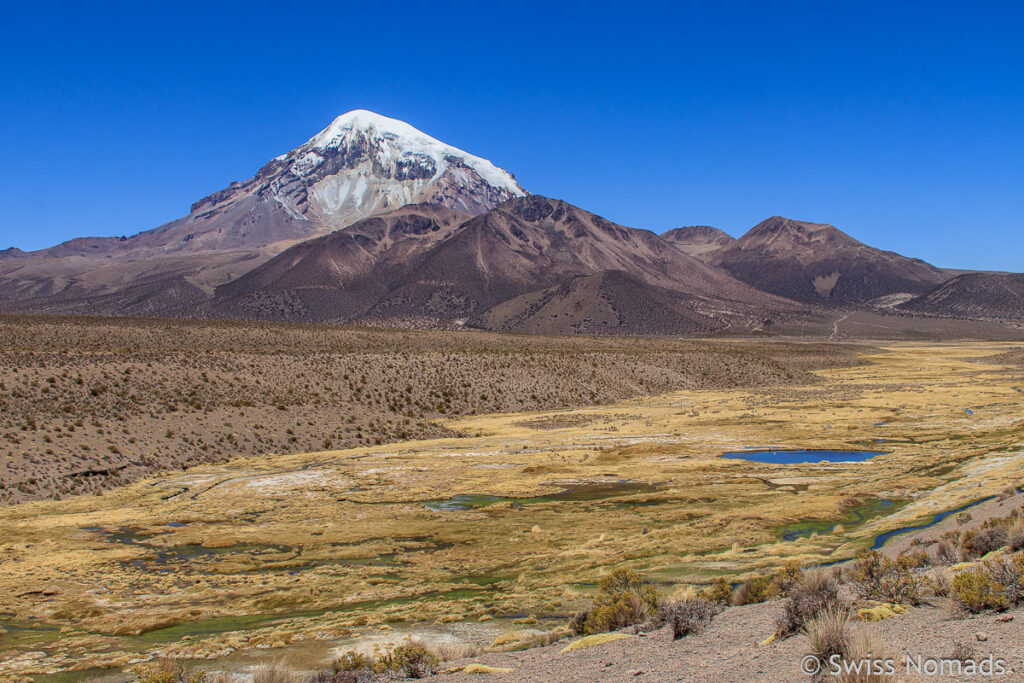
{"x":979,"y":543}
{"x":690,"y":616}
{"x":623,"y":599}
{"x":411,"y":661}
{"x":578,"y":621}
{"x":963,"y":651}
{"x":881,"y":578}
{"x":1015,"y":531}
{"x":915,"y":559}
{"x":406,"y":661}
{"x":814,"y":592}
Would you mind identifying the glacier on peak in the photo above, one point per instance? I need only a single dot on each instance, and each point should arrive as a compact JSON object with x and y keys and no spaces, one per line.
{"x":394,"y":139}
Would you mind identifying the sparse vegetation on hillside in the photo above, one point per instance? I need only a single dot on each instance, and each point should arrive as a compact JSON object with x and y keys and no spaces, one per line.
{"x":86,"y":404}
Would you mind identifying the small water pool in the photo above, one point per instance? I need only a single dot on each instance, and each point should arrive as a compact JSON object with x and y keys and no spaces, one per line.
{"x":580,"y":492}
{"x":795,"y":457}
{"x":881,"y":539}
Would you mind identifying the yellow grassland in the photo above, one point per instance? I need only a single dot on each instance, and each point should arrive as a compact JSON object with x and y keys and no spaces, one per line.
{"x":273,"y":550}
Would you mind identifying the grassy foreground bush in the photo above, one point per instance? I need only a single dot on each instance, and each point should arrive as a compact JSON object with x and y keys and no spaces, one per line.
{"x":878,"y":577}
{"x":623,"y":599}
{"x":995,"y":585}
{"x":405,"y":661}
{"x":829,"y":634}
{"x":814,"y":592}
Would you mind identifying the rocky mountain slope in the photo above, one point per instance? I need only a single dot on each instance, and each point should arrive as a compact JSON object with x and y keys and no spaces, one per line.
{"x":817,"y":263}
{"x":340,"y":276}
{"x":607,"y":302}
{"x":440,"y":274}
{"x":984,"y":296}
{"x":701,"y":241}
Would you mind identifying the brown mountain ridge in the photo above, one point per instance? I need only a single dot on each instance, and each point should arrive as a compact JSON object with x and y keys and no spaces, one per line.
{"x":818,"y":263}
{"x":440,"y":273}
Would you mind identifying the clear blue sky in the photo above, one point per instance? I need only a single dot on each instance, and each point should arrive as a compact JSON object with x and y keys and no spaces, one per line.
{"x":901,"y":123}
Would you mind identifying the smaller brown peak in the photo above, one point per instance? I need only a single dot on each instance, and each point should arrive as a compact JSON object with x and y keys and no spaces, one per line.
{"x":779,"y":228}
{"x":692,"y":234}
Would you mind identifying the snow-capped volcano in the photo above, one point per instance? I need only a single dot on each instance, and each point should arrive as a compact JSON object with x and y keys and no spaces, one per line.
{"x":365,"y":163}
{"x":360,"y":165}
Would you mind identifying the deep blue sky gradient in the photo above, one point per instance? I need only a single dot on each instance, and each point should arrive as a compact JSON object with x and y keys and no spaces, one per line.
{"x":900,"y":123}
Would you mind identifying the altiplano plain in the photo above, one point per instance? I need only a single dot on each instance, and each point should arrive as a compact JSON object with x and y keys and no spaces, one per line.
{"x":518,"y":516}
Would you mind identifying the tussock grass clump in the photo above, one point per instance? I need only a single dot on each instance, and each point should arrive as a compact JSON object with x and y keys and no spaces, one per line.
{"x":814,"y":592}
{"x":623,"y":599}
{"x":864,"y":647}
{"x":273,"y":673}
{"x":859,"y":652}
{"x":946,"y":552}
{"x":513,"y":641}
{"x":446,"y":652}
{"x":827,"y":633}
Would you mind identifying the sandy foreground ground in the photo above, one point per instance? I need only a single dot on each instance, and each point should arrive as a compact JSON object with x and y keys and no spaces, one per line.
{"x":729,"y":650}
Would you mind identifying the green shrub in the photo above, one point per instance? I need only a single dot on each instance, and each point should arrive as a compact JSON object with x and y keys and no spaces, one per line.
{"x":623,"y":599}
{"x":976,"y":591}
{"x":351,"y":661}
{"x":881,"y":578}
{"x":720,"y":591}
{"x":169,"y":671}
{"x":411,"y":661}
{"x":753,"y":591}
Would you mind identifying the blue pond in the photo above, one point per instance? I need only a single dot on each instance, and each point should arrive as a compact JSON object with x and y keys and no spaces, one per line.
{"x":785,"y":457}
